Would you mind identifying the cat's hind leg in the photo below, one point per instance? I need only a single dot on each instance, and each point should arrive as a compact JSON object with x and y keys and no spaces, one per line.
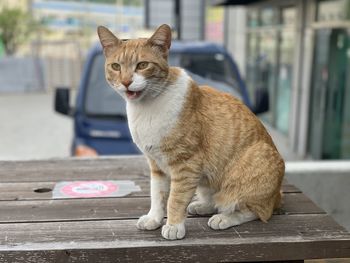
{"x":204,"y":203}
{"x":250,"y":188}
{"x":228,"y":219}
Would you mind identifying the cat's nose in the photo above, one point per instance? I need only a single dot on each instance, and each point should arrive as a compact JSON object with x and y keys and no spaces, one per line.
{"x":127,"y":83}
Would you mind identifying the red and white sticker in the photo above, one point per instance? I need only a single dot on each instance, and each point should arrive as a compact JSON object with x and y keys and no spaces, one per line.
{"x":89,"y":189}
{"x":93,"y":189}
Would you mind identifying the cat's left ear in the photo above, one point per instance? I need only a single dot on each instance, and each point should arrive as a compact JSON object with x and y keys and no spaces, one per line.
{"x":161,"y":39}
{"x":108,"y":40}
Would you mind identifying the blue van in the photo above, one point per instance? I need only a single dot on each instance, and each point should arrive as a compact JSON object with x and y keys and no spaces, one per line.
{"x":99,"y":114}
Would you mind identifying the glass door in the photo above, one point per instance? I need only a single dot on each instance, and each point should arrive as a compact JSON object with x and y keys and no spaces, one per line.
{"x":329,"y":117}
{"x":285,"y":69}
{"x":332,"y":136}
{"x":318,"y":92}
{"x":345,"y":133}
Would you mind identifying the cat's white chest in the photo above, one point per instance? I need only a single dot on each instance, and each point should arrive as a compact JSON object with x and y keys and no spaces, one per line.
{"x":148,"y":129}
{"x":151,"y":122}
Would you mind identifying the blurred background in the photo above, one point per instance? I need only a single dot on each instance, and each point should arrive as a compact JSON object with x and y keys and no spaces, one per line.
{"x":288,"y":60}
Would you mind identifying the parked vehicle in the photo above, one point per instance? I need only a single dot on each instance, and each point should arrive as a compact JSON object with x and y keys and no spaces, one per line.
{"x":100,"y":124}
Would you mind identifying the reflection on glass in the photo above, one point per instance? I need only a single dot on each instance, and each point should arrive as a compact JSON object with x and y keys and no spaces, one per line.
{"x":285,"y":70}
{"x":289,"y":16}
{"x":270,"y":62}
{"x":252,"y":59}
{"x":253,"y":18}
{"x":267,"y":65}
{"x":330,"y":108}
{"x":335,"y":104}
{"x":284,"y":83}
{"x":269,"y":16}
{"x":319,"y":84}
{"x":345,"y":133}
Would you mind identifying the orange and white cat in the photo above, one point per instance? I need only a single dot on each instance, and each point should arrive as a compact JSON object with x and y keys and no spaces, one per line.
{"x":196,"y":140}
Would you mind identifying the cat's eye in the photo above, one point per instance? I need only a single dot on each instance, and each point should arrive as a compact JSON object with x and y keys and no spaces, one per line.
{"x":142,"y":65}
{"x":115,"y":66}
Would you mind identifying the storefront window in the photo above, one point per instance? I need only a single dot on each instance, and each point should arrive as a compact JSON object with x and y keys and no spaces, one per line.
{"x":270,"y":62}
{"x":261,"y":66}
{"x":289,"y":16}
{"x":333,"y":10}
{"x":252,"y":65}
{"x":253,"y":18}
{"x":267,"y":68}
{"x":269,"y":16}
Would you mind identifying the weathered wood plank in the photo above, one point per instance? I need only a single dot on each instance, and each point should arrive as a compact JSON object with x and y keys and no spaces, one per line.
{"x":181,"y":253}
{"x":285,"y":237}
{"x":68,"y":168}
{"x":289,"y":188}
{"x":26,"y":191}
{"x":112,"y":208}
{"x":298,"y":203}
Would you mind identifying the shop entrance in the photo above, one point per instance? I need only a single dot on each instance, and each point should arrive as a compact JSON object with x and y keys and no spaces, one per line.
{"x":329,"y":136}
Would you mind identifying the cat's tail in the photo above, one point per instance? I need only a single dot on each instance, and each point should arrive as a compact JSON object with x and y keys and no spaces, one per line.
{"x":279,"y":200}
{"x":265,"y":209}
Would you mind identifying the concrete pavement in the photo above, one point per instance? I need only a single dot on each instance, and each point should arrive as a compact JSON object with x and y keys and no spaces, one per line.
{"x":30,"y":129}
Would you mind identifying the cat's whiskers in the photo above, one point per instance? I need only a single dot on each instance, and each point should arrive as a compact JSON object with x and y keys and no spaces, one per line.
{"x":157,"y":90}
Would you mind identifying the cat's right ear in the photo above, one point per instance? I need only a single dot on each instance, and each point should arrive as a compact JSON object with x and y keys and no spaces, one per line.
{"x":161,"y":39}
{"x":108,"y":40}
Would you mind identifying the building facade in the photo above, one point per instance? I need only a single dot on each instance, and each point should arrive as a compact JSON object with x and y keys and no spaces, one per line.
{"x":186,"y":17}
{"x":299,"y":50}
{"x":73,"y":16}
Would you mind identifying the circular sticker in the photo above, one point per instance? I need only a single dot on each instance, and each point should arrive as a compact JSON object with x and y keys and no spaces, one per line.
{"x":89,"y":188}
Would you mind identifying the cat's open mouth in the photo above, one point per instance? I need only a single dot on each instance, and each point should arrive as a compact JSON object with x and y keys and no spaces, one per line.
{"x":133,"y":94}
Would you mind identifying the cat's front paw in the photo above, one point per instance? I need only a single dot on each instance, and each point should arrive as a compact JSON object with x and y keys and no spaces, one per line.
{"x":147,"y":222}
{"x":173,"y":232}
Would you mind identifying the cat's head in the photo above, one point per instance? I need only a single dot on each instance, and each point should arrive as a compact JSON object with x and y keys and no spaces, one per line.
{"x":136,"y":68}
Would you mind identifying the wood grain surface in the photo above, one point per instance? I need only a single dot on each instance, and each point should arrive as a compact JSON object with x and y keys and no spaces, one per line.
{"x":36,"y":228}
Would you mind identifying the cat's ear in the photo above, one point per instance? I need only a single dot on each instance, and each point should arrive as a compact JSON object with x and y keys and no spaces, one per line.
{"x":161,"y":39}
{"x":108,"y":40}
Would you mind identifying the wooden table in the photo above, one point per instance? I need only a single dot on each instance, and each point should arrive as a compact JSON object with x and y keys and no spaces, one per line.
{"x":36,"y":228}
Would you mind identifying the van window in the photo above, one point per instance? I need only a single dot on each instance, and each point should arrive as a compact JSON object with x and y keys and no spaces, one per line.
{"x":213,"y":66}
{"x":101,"y":99}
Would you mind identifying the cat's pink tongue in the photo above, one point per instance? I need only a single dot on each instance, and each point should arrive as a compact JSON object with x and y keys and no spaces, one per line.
{"x":133,"y":94}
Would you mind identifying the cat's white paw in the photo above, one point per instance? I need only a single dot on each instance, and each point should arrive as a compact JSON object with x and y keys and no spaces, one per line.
{"x":221,"y":221}
{"x":147,"y":222}
{"x":200,"y":208}
{"x":173,"y":232}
